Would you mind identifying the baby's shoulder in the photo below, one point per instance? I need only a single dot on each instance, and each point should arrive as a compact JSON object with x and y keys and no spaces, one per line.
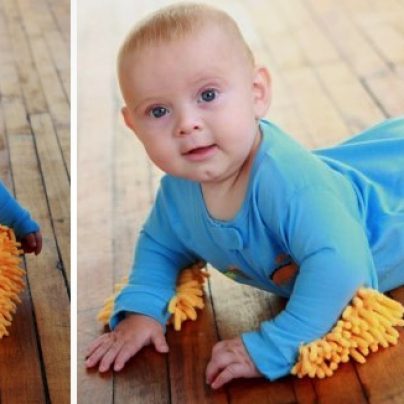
{"x":174,"y":192}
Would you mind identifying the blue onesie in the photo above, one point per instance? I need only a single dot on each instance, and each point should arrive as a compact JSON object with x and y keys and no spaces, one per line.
{"x":14,"y":216}
{"x":338,"y":213}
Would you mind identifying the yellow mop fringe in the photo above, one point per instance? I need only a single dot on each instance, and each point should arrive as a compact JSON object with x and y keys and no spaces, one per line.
{"x":182,"y":306}
{"x":365,"y":325}
{"x":11,"y":278}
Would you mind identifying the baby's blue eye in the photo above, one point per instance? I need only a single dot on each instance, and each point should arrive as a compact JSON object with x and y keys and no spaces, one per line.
{"x":208,"y":95}
{"x":158,"y":112}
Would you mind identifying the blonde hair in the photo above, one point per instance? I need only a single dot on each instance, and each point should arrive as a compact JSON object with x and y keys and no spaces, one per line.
{"x":176,"y":22}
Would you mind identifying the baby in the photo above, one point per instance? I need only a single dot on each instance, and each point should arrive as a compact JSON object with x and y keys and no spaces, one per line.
{"x":240,"y":193}
{"x":14,"y":216}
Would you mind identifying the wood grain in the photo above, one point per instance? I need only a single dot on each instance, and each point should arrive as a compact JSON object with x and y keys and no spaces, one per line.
{"x":35,"y":358}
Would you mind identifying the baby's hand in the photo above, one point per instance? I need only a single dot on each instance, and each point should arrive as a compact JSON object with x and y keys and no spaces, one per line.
{"x":32,"y":243}
{"x":129,"y":337}
{"x":229,"y":360}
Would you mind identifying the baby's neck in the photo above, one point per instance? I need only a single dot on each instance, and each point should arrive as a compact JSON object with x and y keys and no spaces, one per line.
{"x":224,"y":199}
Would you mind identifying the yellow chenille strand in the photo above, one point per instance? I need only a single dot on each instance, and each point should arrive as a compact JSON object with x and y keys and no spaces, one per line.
{"x":107,"y":309}
{"x":365,"y":325}
{"x":182,"y":306}
{"x":11,"y":278}
{"x":189,"y":295}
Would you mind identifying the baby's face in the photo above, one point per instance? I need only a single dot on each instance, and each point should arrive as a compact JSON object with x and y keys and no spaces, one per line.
{"x":193,"y":104}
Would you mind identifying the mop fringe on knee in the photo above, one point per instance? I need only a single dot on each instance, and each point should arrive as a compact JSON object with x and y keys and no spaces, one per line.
{"x":366,"y":324}
{"x":11,"y":278}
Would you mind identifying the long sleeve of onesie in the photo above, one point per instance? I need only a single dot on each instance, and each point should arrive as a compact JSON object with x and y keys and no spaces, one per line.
{"x":332,"y":252}
{"x":159,"y":256}
{"x":15,"y":216}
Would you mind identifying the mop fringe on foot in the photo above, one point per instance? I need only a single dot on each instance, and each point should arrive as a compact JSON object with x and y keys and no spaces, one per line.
{"x":11,"y":278}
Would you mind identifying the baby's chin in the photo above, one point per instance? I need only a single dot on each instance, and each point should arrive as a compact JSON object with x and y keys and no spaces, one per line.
{"x":206,"y":178}
{"x":196,"y":175}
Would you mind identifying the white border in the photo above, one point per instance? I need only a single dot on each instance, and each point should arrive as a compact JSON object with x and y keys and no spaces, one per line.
{"x":73,"y":200}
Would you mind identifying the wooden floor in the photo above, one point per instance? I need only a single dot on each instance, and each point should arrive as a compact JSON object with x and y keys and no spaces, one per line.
{"x":34,"y":164}
{"x":338,"y":67}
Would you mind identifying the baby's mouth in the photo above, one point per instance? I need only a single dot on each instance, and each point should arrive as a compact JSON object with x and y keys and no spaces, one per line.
{"x":199,"y":150}
{"x":200,"y":153}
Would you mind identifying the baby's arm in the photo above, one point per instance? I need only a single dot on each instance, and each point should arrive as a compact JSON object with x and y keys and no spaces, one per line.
{"x":19,"y":219}
{"x":159,"y":257}
{"x":331,"y":248}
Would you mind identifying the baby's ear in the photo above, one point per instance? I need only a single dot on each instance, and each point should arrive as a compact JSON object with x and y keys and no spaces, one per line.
{"x":127,"y":117}
{"x":262,"y":91}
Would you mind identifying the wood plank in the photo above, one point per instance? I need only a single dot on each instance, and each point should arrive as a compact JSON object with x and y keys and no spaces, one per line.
{"x":55,"y":96}
{"x":382,"y":374}
{"x":56,"y":184}
{"x":39,"y":20}
{"x":94,"y":247}
{"x":284,"y":109}
{"x":42,"y":84}
{"x":143,"y":380}
{"x":21,"y":376}
{"x":343,"y":387}
{"x":345,"y":36}
{"x":5,"y":174}
{"x":60,"y":53}
{"x":387,"y":88}
{"x":388,"y":41}
{"x":376,"y":25}
{"x":133,"y":195}
{"x":358,"y":109}
{"x":27,"y":73}
{"x":315,"y":46}
{"x":311,"y":99}
{"x":190,"y":352}
{"x":48,"y":290}
{"x":95,"y":258}
{"x":383,"y":84}
{"x":15,"y":119}
{"x":20,"y":373}
{"x":351,"y":99}
{"x":61,"y":13}
{"x":92,"y":388}
{"x":302,"y":84}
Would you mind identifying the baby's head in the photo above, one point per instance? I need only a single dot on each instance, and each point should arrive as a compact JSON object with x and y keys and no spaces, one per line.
{"x":192,"y":92}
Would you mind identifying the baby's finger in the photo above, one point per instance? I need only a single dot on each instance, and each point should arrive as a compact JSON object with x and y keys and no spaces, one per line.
{"x":110,"y":356}
{"x":160,"y":343}
{"x":99,"y":352}
{"x":96,"y":343}
{"x":38,"y":239}
{"x":232,"y":371}
{"x":28,"y":243}
{"x":127,"y":351}
{"x":217,"y":363}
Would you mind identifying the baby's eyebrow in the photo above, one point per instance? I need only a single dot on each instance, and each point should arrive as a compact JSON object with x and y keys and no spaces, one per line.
{"x":140,"y":104}
{"x":214,"y":78}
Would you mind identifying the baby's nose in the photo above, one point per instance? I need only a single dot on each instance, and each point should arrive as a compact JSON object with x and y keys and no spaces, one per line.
{"x":188,"y":124}
{"x":186,"y":130}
